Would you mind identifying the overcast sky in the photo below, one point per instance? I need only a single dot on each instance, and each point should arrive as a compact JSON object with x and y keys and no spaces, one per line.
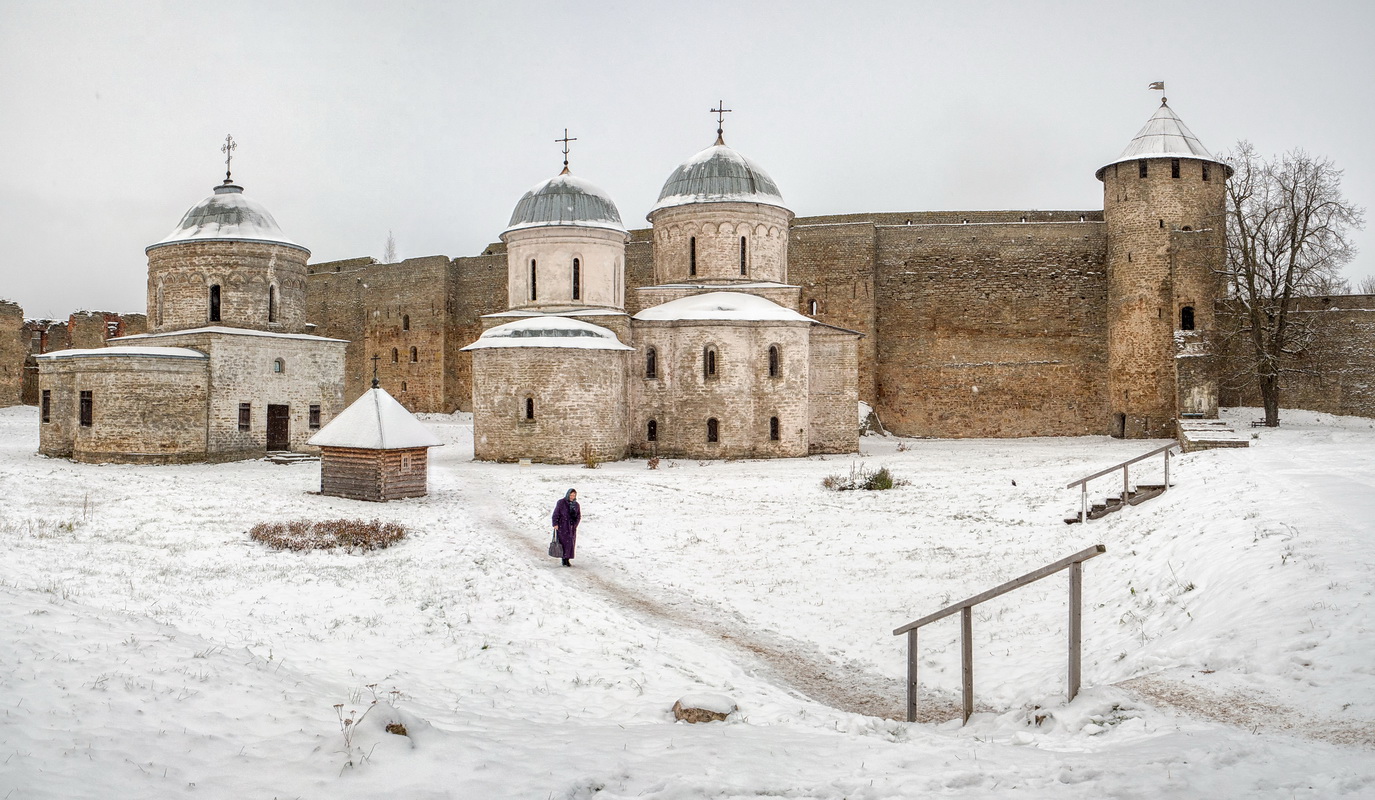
{"x":429,"y":119}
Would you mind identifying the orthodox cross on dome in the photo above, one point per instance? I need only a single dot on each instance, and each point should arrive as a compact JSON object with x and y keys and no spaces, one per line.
{"x":1160,"y":87}
{"x":565,"y":141}
{"x":375,"y":358}
{"x":228,"y":149}
{"x":720,"y":111}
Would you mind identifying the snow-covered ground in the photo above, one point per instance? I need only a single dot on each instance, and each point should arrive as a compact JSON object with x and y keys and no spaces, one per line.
{"x":148,"y":648}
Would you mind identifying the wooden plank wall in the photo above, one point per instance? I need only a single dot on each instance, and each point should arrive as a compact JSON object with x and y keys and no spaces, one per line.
{"x":373,"y":474}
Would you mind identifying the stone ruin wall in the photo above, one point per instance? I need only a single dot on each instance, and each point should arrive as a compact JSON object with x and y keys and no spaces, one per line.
{"x":1335,"y":374}
{"x":14,"y":351}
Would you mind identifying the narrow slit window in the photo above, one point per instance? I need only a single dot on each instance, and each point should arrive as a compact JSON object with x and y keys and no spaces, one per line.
{"x":1174,"y":168}
{"x":47,"y":405}
{"x":272,"y":304}
{"x":652,"y":431}
{"x":773,"y":361}
{"x":773,"y":429}
{"x":245,"y":416}
{"x":529,"y":409}
{"x":533,"y":280}
{"x":577,"y":279}
{"x":692,"y":255}
{"x":215,"y":303}
{"x":395,"y":355}
{"x":403,"y":386}
{"x":415,"y":356}
{"x":1141,"y":167}
{"x":709,"y":362}
{"x":1207,"y":173}
{"x":713,"y":431}
{"x":744,"y":270}
{"x":87,"y":410}
{"x":159,"y":304}
{"x":1186,"y":318}
{"x":813,"y":308}
{"x":405,"y":322}
{"x":314,"y":417}
{"x":651,"y":363}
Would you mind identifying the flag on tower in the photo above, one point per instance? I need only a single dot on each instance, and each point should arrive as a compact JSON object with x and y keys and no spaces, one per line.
{"x":1157,"y":85}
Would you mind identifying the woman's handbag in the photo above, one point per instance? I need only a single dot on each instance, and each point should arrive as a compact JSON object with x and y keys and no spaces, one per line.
{"x":555,"y":548}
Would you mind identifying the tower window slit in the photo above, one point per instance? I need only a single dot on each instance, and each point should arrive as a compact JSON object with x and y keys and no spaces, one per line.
{"x":533,"y":290}
{"x":1186,"y":318}
{"x":692,"y":255}
{"x":215,"y":303}
{"x":577,"y":279}
{"x":1174,"y":168}
{"x":743,"y":269}
{"x":1141,"y":167}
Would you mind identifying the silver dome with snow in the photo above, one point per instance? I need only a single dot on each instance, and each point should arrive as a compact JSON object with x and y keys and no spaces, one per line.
{"x":227,"y":216}
{"x":565,"y":200}
{"x":719,"y":174}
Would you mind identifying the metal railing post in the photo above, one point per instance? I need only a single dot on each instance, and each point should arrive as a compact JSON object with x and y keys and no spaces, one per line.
{"x":967,"y":658}
{"x":1126,"y":485}
{"x":1076,"y":591}
{"x":1167,"y":471}
{"x":1084,"y":503}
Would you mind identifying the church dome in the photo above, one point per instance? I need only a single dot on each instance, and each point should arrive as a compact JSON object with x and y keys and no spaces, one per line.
{"x":565,"y":200}
{"x":227,"y":216}
{"x":718,"y":174}
{"x":1164,"y":136}
{"x":548,"y":331}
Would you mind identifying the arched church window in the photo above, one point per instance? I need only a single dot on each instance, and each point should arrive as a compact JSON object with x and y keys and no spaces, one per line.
{"x":692,"y":255}
{"x":774,"y":365}
{"x":215,"y":303}
{"x":405,"y":322}
{"x":533,"y":294}
{"x":529,"y":409}
{"x":1186,"y":318}
{"x":713,"y":430}
{"x":651,"y":363}
{"x":577,"y":279}
{"x":813,"y":307}
{"x":403,"y":386}
{"x":709,"y":361}
{"x":395,"y":355}
{"x":743,"y":269}
{"x":278,"y":366}
{"x":652,"y":431}
{"x":773,"y":429}
{"x":272,"y":304}
{"x":415,"y":355}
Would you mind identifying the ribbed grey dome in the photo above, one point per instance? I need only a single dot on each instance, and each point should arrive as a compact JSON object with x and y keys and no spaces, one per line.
{"x":227,"y":215}
{"x":566,"y":200}
{"x":719,"y":174}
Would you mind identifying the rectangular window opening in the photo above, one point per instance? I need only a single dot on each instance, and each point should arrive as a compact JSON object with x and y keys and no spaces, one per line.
{"x":315,"y":417}
{"x":47,"y":405}
{"x":87,"y":410}
{"x":245,"y":416}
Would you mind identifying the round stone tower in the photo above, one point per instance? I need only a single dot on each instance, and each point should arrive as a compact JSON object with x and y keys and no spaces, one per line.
{"x":1163,"y":207}
{"x":227,"y":263}
{"x":565,"y":248}
{"x":720,"y":219}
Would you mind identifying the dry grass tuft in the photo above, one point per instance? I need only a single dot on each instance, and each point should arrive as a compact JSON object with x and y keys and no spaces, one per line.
{"x":350,"y":534}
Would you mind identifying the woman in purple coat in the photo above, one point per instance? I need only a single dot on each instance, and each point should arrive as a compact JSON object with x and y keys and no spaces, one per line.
{"x":566,"y":516}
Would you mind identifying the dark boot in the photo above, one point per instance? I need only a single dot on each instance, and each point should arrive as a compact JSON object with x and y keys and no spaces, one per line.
{"x":566,"y":564}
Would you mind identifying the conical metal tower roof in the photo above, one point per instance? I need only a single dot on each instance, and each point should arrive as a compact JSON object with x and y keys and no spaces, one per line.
{"x":1164,"y":136}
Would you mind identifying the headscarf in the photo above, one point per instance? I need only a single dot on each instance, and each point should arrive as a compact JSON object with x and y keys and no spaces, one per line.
{"x":568,"y":495}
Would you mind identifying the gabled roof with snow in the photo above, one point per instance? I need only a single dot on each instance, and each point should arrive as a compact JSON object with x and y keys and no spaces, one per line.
{"x":718,"y":174}
{"x":128,"y":352}
{"x":564,"y":200}
{"x":549,"y":331}
{"x":1164,"y":136}
{"x":722,"y":306}
{"x":227,"y":216}
{"x":375,"y":421}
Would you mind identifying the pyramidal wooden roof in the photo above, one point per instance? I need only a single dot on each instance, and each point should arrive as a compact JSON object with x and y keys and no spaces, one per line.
{"x":375,"y":421}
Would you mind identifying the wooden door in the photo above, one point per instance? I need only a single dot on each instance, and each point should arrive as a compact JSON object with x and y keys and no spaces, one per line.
{"x":278,"y":427}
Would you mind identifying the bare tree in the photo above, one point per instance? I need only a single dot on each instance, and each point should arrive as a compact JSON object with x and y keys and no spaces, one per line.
{"x":389,"y":252}
{"x":1366,"y":286}
{"x":1288,"y":229}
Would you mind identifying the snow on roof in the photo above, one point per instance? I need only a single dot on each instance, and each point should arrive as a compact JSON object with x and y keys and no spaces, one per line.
{"x":128,"y":352}
{"x":1164,"y":136}
{"x":570,"y":312}
{"x":548,"y":331}
{"x":224,"y":329}
{"x":568,"y":201}
{"x":375,"y":421}
{"x":724,"y":306}
{"x":718,"y":174}
{"x":227,"y":215}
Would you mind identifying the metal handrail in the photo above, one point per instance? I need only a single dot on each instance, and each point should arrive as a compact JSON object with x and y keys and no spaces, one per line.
{"x":1128,"y":462}
{"x":1076,"y":578}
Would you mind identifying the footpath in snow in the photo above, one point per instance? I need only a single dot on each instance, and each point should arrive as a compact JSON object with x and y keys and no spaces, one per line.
{"x":150,"y":649}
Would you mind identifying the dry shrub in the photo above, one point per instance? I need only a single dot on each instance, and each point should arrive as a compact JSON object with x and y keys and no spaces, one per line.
{"x":589,"y":461}
{"x":653,"y":462}
{"x":351,"y":534}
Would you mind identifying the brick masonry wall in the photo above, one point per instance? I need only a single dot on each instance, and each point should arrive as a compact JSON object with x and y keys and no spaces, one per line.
{"x":833,"y":422}
{"x":579,"y":398}
{"x":835,"y":266}
{"x":717,"y":229}
{"x":14,"y":346}
{"x":991,"y":329}
{"x":741,"y":397}
{"x":144,"y":409}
